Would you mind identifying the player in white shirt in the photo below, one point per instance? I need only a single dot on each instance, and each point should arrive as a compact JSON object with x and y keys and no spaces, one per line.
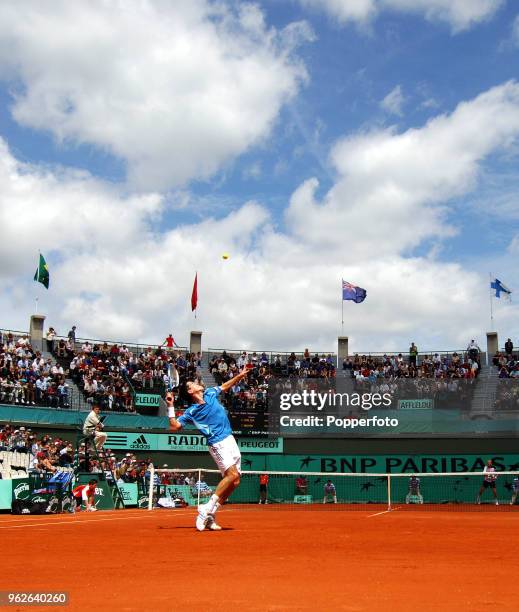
{"x":329,"y":491}
{"x":489,"y":482}
{"x":515,"y":490}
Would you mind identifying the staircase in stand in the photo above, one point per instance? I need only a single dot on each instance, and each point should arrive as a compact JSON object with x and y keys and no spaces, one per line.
{"x":485,"y":393}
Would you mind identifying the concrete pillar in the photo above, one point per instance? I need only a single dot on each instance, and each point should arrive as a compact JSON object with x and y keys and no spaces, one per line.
{"x":195,"y":342}
{"x":342,"y":350}
{"x":492,"y":346}
{"x":36,"y":331}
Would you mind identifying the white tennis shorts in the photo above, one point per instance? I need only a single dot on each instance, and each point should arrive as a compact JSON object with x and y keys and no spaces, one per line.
{"x":225,"y":454}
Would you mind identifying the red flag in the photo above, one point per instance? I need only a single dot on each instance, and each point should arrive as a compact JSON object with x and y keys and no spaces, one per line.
{"x":194,"y":295}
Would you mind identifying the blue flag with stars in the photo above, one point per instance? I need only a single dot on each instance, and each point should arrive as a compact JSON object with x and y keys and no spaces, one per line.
{"x":351,"y":292}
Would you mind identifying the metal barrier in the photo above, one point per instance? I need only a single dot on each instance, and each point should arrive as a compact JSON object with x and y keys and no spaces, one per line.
{"x":271,"y":355}
{"x":136,"y":349}
{"x":17,"y":334}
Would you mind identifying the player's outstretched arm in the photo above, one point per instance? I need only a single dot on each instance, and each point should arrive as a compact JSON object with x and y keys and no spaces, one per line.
{"x":230,"y":383}
{"x":174,"y":425}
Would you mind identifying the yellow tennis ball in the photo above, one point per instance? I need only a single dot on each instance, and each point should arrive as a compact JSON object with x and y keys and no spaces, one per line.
{"x":225,"y":256}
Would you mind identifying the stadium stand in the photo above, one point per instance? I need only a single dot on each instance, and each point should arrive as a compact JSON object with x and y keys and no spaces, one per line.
{"x":505,"y":388}
{"x":110,"y":374}
{"x":28,"y":377}
{"x":22,"y":452}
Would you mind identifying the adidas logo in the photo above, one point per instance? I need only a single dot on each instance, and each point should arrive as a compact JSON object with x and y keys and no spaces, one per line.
{"x":140,"y":444}
{"x":116,"y":441}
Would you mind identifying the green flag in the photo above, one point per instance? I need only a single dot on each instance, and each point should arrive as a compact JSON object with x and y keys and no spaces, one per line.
{"x":42,"y":273}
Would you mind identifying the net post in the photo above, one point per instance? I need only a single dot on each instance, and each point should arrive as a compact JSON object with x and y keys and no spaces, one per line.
{"x":150,"y":487}
{"x":198,"y":488}
{"x":389,"y":491}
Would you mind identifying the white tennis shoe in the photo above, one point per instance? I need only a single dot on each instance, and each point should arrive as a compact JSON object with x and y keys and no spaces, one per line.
{"x":202,"y":518}
{"x":211,"y":523}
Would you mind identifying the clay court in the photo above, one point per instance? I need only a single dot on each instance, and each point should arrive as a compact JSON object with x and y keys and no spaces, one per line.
{"x":268,"y":558}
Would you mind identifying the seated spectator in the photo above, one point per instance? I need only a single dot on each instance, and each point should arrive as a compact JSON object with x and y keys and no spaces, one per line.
{"x":61,"y":349}
{"x":203,"y":487}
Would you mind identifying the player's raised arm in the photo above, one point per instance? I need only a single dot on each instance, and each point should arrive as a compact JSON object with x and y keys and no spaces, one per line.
{"x":174,"y":424}
{"x":229,"y":384}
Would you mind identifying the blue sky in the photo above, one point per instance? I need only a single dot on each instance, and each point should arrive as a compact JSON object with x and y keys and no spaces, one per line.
{"x":255,"y":129}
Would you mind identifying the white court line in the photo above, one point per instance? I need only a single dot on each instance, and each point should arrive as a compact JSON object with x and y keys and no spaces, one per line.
{"x":83,"y":515}
{"x":96,"y":519}
{"x":92,"y":519}
{"x":383,"y":512}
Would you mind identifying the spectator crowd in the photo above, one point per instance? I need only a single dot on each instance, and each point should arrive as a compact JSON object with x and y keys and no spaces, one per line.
{"x":251,"y":392}
{"x":49,"y":454}
{"x":27,"y":378}
{"x":46,"y":454}
{"x":506,"y":364}
{"x":107,"y":373}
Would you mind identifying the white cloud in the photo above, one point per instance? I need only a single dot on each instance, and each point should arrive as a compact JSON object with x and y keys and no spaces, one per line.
{"x":394,"y":101}
{"x":513,"y":247}
{"x":390,"y":184}
{"x":459,"y":14}
{"x":115,"y":277}
{"x":252,"y":171}
{"x":355,"y":10}
{"x":175,"y":89}
{"x":430,"y":103}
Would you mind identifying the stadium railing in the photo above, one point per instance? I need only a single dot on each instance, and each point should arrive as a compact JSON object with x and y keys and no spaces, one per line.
{"x":272,"y":355}
{"x":135,"y":348}
{"x":17,"y":334}
{"x":421,"y":355}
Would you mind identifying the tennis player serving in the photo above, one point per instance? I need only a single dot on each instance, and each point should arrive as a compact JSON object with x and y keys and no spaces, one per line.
{"x":209,"y":417}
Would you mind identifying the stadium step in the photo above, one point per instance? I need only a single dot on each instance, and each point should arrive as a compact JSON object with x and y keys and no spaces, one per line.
{"x":484,"y":393}
{"x":207,"y":377}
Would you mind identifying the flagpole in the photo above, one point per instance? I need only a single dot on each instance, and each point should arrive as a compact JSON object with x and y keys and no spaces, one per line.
{"x":36,"y":312}
{"x":342,"y":312}
{"x":491,"y":311}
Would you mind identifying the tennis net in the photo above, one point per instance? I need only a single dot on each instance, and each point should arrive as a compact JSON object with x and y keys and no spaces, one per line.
{"x":463,"y":490}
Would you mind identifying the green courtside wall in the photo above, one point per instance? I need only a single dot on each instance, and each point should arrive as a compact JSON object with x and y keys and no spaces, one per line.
{"x":373,"y":489}
{"x":103,"y":494}
{"x":52,"y":416}
{"x":184,"y":442}
{"x":362,"y":489}
{"x":417,"y":422}
{"x":6,"y":494}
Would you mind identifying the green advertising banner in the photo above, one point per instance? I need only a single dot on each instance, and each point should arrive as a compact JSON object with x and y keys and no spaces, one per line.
{"x":367,"y":486}
{"x":129,"y":493}
{"x":184,"y":492}
{"x":6,"y":494}
{"x":415,"y":404}
{"x":377,"y":464}
{"x":103,"y":495}
{"x":52,"y":416}
{"x":392,"y":464}
{"x":185,"y":442}
{"x":21,"y":488}
{"x":147,"y":399}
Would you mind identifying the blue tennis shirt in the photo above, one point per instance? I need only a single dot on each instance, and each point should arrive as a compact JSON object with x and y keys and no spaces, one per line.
{"x":209,"y":418}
